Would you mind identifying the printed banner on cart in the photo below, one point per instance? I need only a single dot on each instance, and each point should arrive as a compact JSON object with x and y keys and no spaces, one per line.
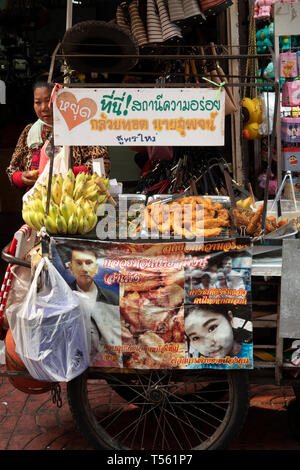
{"x":164,"y":305}
{"x":135,"y":117}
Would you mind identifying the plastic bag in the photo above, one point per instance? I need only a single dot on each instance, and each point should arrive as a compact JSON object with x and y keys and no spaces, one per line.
{"x":49,"y":330}
{"x":60,"y":165}
{"x":20,"y":284}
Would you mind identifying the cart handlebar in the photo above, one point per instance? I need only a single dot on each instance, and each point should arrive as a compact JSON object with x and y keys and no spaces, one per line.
{"x":12,"y":259}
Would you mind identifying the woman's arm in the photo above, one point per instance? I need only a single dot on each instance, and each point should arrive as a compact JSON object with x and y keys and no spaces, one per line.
{"x":18,"y":162}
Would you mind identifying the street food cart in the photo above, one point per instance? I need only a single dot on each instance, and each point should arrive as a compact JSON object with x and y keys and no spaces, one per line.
{"x":152,"y":391}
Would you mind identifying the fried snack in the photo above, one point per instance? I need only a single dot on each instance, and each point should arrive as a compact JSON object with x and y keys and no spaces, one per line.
{"x":187,"y":217}
{"x":283,"y":222}
{"x":252,"y":221}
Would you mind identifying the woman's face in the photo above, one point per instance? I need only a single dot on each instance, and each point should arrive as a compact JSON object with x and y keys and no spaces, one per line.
{"x":209,"y":333}
{"x":40,"y":103}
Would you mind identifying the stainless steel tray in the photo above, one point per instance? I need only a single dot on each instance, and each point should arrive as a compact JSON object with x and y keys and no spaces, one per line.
{"x":166,"y":198}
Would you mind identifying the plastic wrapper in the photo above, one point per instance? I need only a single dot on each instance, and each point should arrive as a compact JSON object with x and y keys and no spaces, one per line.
{"x":50,"y":329}
{"x":20,"y":284}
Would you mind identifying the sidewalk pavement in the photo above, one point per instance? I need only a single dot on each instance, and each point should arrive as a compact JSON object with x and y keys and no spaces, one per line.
{"x":34,"y":422}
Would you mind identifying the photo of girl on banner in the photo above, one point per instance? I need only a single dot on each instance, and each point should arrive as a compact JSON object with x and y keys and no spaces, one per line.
{"x":217,"y":314}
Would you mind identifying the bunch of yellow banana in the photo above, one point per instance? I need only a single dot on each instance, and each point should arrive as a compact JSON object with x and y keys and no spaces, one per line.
{"x":72,"y":207}
{"x":244,"y":203}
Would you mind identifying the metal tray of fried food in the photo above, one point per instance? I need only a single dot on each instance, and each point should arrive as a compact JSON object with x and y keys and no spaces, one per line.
{"x":226,"y":233}
{"x":285,"y":231}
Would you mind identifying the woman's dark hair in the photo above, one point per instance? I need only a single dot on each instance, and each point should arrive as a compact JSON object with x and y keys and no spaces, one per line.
{"x":42,"y":84}
{"x":240,"y":335}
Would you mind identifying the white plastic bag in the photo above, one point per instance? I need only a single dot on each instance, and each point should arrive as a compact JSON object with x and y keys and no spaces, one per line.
{"x":268,"y":106}
{"x":60,"y":165}
{"x":20,"y":284}
{"x":49,"y":331}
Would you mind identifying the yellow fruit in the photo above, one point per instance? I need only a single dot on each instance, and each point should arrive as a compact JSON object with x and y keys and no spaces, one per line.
{"x":56,"y":191}
{"x":79,"y":190}
{"x":26,"y":218}
{"x":67,"y":207}
{"x":73,"y":224}
{"x":79,"y":211}
{"x":50,"y":225}
{"x":61,"y":224}
{"x":68,"y":185}
{"x":53,"y":210}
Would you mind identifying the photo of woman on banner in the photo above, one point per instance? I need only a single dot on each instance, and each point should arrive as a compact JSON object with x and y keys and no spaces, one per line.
{"x":101,"y":304}
{"x":210,"y":333}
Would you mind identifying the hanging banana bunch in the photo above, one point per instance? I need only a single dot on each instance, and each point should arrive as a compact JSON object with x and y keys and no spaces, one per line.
{"x":73,"y":203}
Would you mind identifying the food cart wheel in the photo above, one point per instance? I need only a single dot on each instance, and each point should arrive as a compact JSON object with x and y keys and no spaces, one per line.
{"x":165,"y":410}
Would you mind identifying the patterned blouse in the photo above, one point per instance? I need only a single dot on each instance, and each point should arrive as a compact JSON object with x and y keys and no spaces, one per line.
{"x":24,"y":159}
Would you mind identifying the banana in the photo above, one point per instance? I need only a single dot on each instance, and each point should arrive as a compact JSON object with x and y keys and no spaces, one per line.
{"x":92,"y":195}
{"x":79,"y":211}
{"x":53,"y":210}
{"x":79,"y":190}
{"x":71,"y":175}
{"x":73,"y":224}
{"x":44,"y":202}
{"x":36,"y":205}
{"x":50,"y":225}
{"x":88,"y":205}
{"x":80,"y":177}
{"x":68,"y":186}
{"x":34,"y":220}
{"x":37,"y":194}
{"x":102,"y":198}
{"x":56,"y":191}
{"x":106,"y":183}
{"x":41,"y":218}
{"x":61,"y":224}
{"x":86,"y":225}
{"x":26,"y":217}
{"x":67,"y":207}
{"x":92,"y":220}
{"x":81,"y":224}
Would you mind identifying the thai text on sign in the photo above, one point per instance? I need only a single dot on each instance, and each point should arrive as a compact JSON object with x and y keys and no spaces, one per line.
{"x":154,"y":117}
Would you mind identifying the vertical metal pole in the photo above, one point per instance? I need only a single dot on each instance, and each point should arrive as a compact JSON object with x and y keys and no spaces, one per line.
{"x":69,"y":21}
{"x":51,"y":157}
{"x":69,"y":14}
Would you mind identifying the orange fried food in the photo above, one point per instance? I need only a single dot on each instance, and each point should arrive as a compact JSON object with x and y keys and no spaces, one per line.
{"x":184,"y":217}
{"x":240,"y":218}
{"x":283,"y":222}
{"x":254,"y":222}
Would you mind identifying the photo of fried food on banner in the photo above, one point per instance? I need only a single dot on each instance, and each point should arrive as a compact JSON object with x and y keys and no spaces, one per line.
{"x":152,"y":318}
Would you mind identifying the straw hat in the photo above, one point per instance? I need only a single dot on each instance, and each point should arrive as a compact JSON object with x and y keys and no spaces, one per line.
{"x":99,"y":37}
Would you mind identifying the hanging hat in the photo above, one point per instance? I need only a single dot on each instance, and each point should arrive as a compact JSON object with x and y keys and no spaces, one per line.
{"x":214,"y":7}
{"x":192,"y":11}
{"x":99,"y":37}
{"x":138,"y":29}
{"x":122,"y":19}
{"x":153,"y":23}
{"x":169,"y":29}
{"x":176,"y":10}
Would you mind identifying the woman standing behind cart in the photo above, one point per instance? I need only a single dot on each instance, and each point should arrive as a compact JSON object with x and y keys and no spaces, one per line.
{"x":24,"y":165}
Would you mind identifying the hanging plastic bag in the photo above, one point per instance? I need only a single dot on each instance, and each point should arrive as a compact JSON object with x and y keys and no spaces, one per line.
{"x":60,"y":165}
{"x":19,"y":287}
{"x":49,"y":330}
